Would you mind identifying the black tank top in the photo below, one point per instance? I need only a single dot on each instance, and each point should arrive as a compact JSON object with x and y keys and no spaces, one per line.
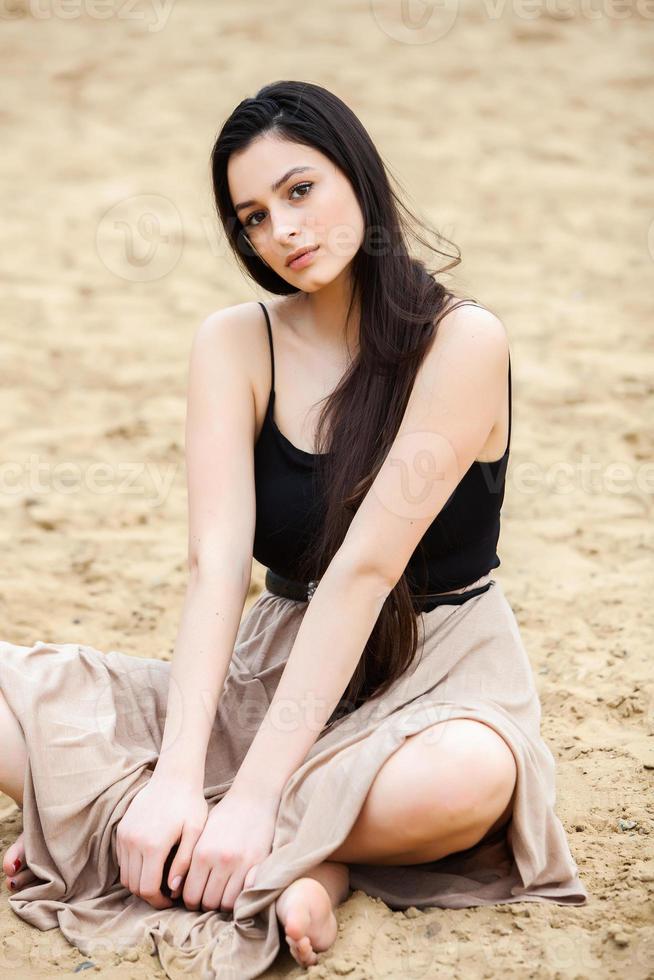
{"x":459,"y":545}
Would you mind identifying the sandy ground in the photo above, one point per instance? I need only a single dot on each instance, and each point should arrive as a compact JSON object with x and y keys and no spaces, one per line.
{"x":528,"y":140}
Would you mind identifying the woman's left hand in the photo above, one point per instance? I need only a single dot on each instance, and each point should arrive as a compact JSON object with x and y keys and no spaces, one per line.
{"x":237,"y":837}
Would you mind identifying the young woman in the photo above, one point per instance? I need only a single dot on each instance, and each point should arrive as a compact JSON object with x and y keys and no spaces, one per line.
{"x":373,"y":721}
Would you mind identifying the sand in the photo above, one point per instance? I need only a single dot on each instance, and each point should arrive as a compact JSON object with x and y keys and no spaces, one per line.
{"x":527,"y":140}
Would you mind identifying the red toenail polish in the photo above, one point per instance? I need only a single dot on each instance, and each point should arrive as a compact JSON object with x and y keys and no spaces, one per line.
{"x":17,"y":865}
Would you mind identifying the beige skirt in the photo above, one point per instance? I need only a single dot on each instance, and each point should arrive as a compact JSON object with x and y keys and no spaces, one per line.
{"x":93,"y":723}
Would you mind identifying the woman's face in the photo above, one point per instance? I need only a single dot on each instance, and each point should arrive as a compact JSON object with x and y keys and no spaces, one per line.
{"x":313,"y":206}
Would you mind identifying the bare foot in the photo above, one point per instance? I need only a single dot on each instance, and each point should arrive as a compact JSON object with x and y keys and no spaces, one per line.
{"x":306,"y":910}
{"x":21,"y":877}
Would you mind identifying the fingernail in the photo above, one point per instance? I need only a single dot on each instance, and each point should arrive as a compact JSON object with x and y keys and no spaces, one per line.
{"x":17,"y":865}
{"x":176,"y":882}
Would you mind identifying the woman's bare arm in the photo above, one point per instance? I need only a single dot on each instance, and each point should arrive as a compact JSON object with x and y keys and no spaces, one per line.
{"x":334,"y":630}
{"x":451,"y":410}
{"x":220,"y":428}
{"x":205,"y":641}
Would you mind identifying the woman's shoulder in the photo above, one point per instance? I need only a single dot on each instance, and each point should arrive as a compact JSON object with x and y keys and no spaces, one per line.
{"x":468,"y":334}
{"x":240,"y":327}
{"x":468,"y":322}
{"x":459,"y":310}
{"x":237,"y":334}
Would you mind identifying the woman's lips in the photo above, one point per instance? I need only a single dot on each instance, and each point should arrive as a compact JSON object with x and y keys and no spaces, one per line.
{"x":305,"y":259}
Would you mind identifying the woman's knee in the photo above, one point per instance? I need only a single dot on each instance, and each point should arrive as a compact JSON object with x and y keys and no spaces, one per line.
{"x":469,"y":775}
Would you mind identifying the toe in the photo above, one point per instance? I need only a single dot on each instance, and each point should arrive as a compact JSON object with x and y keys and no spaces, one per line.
{"x":306,"y":951}
{"x":14,"y":853}
{"x":302,"y":951}
{"x":20,"y":880}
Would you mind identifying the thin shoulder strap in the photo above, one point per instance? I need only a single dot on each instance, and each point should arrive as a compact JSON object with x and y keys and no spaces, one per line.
{"x":508,"y":443}
{"x":272,"y":353}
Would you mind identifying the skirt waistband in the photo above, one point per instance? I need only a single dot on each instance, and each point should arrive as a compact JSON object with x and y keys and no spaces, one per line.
{"x":303,"y":591}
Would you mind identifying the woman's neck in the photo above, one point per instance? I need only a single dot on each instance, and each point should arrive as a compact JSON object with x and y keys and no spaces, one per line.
{"x":320,"y":317}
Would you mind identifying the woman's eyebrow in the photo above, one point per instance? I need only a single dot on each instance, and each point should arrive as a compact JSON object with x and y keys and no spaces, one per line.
{"x":274,"y":186}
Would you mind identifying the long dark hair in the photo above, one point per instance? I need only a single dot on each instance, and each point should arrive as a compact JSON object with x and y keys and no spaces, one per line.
{"x":400,"y":303}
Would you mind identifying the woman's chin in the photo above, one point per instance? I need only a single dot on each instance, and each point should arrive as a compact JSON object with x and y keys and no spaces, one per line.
{"x":308,"y":283}
{"x":311,"y":282}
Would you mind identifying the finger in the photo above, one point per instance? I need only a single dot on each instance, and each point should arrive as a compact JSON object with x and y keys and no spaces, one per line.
{"x":152,"y":876}
{"x":250,"y":876}
{"x":158,"y":901}
{"x":214,"y":892}
{"x":195,"y":885}
{"x":182,"y":858}
{"x":165,"y":874}
{"x":134,"y":872}
{"x":233,"y":889}
{"x":124,"y":868}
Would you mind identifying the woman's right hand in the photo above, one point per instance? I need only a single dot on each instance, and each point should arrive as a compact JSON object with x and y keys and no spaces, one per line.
{"x":165,"y":812}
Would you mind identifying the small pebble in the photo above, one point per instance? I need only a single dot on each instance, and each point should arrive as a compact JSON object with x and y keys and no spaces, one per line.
{"x":341,"y":967}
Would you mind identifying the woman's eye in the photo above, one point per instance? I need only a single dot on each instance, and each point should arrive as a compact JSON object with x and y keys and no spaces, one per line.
{"x":248,"y":223}
{"x":307,"y":183}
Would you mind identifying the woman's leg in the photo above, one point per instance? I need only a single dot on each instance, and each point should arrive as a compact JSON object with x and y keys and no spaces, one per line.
{"x":442,"y":791}
{"x":13,"y":754}
{"x":13,"y":761}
